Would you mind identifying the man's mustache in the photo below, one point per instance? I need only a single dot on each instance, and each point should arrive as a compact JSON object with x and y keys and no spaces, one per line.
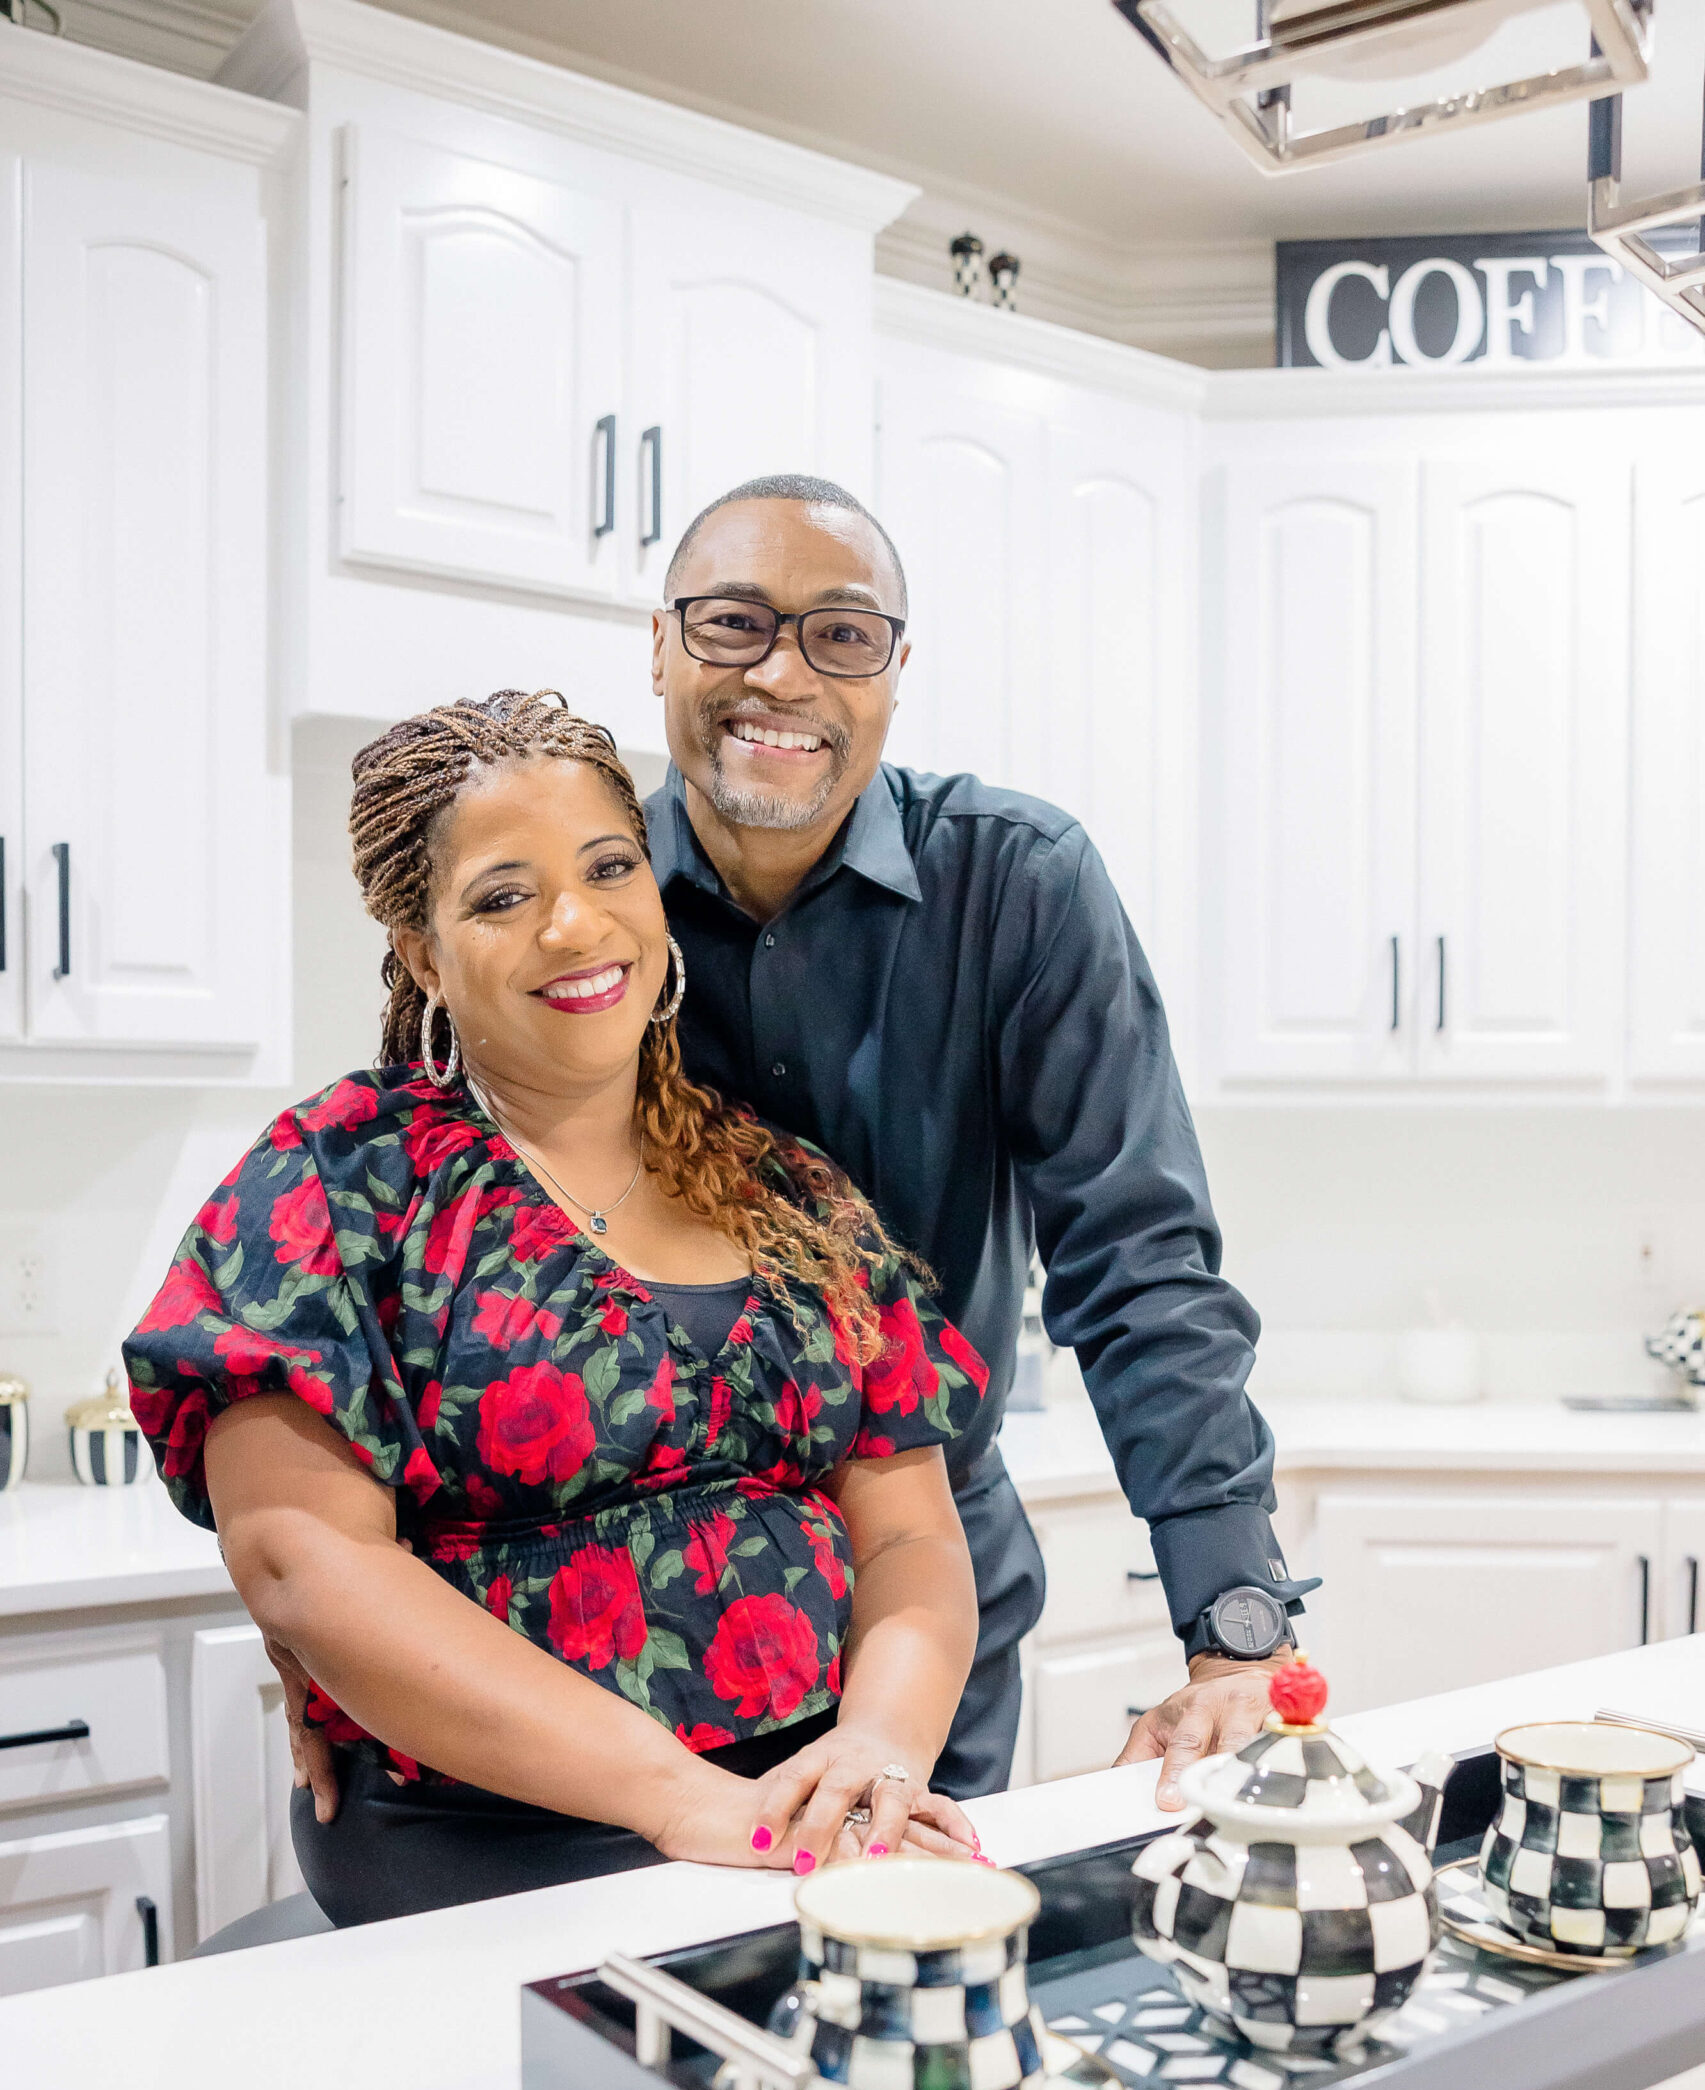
{"x":837,"y":738}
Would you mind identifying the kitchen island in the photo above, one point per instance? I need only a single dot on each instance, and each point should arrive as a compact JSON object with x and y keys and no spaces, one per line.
{"x":432,"y":2002}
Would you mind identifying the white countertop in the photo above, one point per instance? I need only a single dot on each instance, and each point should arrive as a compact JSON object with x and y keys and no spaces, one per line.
{"x":64,"y":1547}
{"x":431,"y":2002}
{"x":1059,"y":1451}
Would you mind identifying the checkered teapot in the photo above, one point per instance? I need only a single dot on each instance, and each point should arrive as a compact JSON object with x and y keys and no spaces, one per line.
{"x":1297,"y":1906}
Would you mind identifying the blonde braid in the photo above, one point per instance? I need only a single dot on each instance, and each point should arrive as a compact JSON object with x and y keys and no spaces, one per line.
{"x":797,"y":1218}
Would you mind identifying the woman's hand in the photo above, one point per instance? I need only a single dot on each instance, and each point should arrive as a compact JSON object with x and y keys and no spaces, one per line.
{"x":801,"y":1807}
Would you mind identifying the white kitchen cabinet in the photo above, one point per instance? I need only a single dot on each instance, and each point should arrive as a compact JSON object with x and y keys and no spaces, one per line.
{"x":1524,"y":643}
{"x":750,"y":356}
{"x":1678,"y":1601}
{"x":83,"y":1902}
{"x":1084,"y":1704}
{"x":483,"y":368}
{"x":1666,"y":1031}
{"x":146,"y":836}
{"x":112,"y":1687}
{"x":1433,"y":1589}
{"x":241,"y":1774}
{"x":1315,"y":752}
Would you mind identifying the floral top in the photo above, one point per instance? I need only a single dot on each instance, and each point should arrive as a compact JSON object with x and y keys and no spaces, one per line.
{"x":561,"y":1453}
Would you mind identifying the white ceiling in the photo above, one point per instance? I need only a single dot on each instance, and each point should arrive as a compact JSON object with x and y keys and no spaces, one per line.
{"x":1059,"y":108}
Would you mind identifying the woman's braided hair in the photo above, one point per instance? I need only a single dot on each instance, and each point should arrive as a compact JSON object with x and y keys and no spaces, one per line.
{"x":796,"y":1216}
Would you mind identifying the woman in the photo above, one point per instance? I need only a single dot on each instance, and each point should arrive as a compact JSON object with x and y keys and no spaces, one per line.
{"x":651,"y":1402}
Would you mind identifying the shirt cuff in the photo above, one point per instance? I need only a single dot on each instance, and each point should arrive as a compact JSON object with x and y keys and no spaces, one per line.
{"x":1205,"y":1551}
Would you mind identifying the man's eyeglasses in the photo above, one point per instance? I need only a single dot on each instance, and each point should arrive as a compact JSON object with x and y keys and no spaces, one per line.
{"x":727,"y":631}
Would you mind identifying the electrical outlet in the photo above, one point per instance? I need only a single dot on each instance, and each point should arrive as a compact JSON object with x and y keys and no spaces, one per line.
{"x":27,"y":1288}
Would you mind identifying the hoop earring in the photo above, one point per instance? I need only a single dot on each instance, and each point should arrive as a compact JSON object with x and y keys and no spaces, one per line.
{"x":437,"y":1079}
{"x":662,"y":1016}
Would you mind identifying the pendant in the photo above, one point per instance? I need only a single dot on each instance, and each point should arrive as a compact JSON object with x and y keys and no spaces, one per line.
{"x":598,"y":1223}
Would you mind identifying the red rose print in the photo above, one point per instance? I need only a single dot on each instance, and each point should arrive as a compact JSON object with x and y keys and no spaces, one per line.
{"x":703,"y":1737}
{"x":614,"y":1319}
{"x":607,"y":1280}
{"x":665,"y":1464}
{"x":503,"y":1320}
{"x":764,"y":1654}
{"x":344,"y":1106}
{"x":741,"y":1332}
{"x":497,"y":1196}
{"x":832,"y":1676}
{"x":450,"y":1235}
{"x":796,"y":1411}
{"x":499,"y":1596}
{"x":829,"y":1563}
{"x":432,"y":1137}
{"x":965,"y":1357}
{"x":867,"y":1445}
{"x":846,"y":1351}
{"x":596,"y":1613}
{"x":706,"y":1552}
{"x":285,"y":1133}
{"x":661,"y":1394}
{"x":538,"y":1229}
{"x":903,"y":1374}
{"x":420,"y":1476}
{"x":247,"y":1354}
{"x":152,"y":1406}
{"x":721,"y":1402}
{"x":426,"y":1413}
{"x":188,"y":1434}
{"x":483,"y":1498}
{"x":187,"y":1291}
{"x":218,"y":1220}
{"x":536,"y":1425}
{"x":301,"y":1224}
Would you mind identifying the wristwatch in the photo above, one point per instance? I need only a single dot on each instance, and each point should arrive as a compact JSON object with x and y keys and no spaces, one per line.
{"x":1246,"y":1623}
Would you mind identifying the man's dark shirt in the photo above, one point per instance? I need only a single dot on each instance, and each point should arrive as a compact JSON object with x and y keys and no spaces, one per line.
{"x":954,"y":1005}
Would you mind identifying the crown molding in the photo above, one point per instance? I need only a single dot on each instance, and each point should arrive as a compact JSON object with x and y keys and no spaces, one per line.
{"x":55,"y":73}
{"x":1238,"y":395}
{"x":184,"y":36}
{"x":938,"y":319}
{"x":379,"y":45}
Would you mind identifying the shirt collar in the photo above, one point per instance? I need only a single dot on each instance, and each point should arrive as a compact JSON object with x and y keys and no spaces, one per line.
{"x":872,"y":843}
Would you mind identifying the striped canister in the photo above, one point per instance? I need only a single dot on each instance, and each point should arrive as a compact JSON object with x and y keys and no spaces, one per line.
{"x":14,"y":1430}
{"x":107,"y":1450}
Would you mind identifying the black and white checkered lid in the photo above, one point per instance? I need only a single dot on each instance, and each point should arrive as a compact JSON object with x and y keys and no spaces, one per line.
{"x":1287,"y":1768}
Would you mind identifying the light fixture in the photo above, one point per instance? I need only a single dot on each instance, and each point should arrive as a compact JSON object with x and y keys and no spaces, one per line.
{"x":1620,"y":228}
{"x":1249,"y":90}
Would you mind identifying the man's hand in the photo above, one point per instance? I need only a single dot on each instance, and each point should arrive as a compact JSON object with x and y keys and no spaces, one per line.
{"x":1222,"y":1705}
{"x":311,"y":1754}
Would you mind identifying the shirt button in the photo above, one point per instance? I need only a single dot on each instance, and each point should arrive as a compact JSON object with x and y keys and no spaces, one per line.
{"x":769,"y":943}
{"x":779,"y":1068}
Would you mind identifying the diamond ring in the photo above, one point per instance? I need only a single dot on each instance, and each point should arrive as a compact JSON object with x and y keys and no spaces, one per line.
{"x":897,"y":1771}
{"x":858,"y":1817}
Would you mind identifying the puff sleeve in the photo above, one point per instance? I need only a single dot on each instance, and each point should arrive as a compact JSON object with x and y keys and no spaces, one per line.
{"x":927,"y":1383}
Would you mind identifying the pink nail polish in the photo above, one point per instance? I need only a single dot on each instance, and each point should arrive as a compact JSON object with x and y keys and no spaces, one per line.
{"x":761,"y":1838}
{"x":977,"y":1858}
{"x":876,"y":1850}
{"x":803,"y":1863}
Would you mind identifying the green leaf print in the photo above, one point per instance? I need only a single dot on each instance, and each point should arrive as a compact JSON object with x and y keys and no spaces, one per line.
{"x":748,"y":1547}
{"x":792,"y":1578}
{"x":667,"y":1650}
{"x":632,"y":1684}
{"x":819,"y":1345}
{"x":666,"y":1567}
{"x":343,"y":1309}
{"x":383,"y":1193}
{"x":230,"y":1269}
{"x":603,"y":1372}
{"x":631,"y":1404}
{"x":940,"y":1413}
{"x":641,"y":1545}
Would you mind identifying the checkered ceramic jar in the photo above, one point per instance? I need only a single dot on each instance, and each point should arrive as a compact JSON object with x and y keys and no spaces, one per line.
{"x":1298,"y":1906}
{"x":912,"y":1972}
{"x":1590,"y":1851}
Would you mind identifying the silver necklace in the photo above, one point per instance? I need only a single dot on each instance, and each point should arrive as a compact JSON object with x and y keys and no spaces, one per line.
{"x":597,"y":1217}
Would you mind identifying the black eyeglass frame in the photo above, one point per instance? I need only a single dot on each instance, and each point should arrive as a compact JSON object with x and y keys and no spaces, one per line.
{"x":896,"y":631}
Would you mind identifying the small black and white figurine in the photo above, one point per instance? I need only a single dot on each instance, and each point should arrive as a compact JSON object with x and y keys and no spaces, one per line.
{"x":1003,"y":274}
{"x":107,"y":1450}
{"x":14,"y":1430}
{"x":967,"y":252}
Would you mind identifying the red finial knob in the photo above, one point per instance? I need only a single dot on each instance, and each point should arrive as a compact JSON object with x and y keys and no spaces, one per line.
{"x":1298,"y":1692}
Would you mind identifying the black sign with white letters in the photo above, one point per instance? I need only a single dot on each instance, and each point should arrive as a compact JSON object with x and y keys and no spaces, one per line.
{"x":1496,"y":298}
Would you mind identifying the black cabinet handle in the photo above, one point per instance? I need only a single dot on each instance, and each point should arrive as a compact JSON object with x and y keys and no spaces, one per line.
{"x":1135,"y":1712}
{"x":1645,"y":1598}
{"x":605,"y":430}
{"x":150,"y":1930}
{"x":72,"y":1731}
{"x":1138,"y":1575}
{"x":1396,"y":979}
{"x":651,"y":448}
{"x":1693,"y":1592}
{"x":62,"y":858}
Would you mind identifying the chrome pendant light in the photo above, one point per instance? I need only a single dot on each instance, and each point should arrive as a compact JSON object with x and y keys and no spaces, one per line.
{"x":1249,"y":90}
{"x":1621,"y":228}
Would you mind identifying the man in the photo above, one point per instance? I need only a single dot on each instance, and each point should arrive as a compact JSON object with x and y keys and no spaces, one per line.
{"x":935,"y":981}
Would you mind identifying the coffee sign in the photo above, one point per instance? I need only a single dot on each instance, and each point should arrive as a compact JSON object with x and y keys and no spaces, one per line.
{"x":1503,"y":299}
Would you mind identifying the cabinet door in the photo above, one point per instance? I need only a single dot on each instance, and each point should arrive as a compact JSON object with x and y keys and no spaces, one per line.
{"x":961,"y":486}
{"x":1428,"y":1590}
{"x":483,"y":345}
{"x":241,"y":1776}
{"x":11,"y":603}
{"x":1666,"y":1031}
{"x":1084,"y":1705}
{"x":73,"y":1905}
{"x":155,"y":848}
{"x":1526,"y":583}
{"x":1310,"y":640}
{"x":752,"y":356}
{"x":1678,"y":1599}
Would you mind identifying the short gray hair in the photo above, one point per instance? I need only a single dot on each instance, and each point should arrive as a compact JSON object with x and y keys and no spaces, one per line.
{"x":785,"y":486}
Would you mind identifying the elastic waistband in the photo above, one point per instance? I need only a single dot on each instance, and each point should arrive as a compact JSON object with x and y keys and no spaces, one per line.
{"x":452,"y":1538}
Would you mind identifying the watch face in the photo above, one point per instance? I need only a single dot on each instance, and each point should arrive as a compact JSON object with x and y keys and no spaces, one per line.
{"x":1247,"y":1621}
